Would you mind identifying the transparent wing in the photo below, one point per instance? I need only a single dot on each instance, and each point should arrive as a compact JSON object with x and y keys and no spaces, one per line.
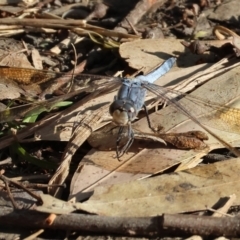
{"x":20,"y":111}
{"x":201,"y":111}
{"x":87,"y":82}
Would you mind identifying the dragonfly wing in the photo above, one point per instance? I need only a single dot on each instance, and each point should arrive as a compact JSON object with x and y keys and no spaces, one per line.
{"x":20,"y":111}
{"x":200,"y":110}
{"x":157,"y":73}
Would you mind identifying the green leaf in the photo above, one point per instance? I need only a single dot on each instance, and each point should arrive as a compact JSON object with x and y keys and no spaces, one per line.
{"x":16,"y":148}
{"x":32,"y":115}
{"x":99,"y":39}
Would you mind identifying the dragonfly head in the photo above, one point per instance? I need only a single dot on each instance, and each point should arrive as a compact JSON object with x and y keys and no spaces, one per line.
{"x":123,"y":112}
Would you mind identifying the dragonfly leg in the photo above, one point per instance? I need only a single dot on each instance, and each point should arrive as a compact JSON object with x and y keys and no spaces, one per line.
{"x":119,"y":138}
{"x":121,"y":152}
{"x":130,"y":139}
{"x":148,"y":120}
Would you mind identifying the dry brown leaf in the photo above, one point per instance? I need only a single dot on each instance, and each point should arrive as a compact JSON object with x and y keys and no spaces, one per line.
{"x":187,"y":191}
{"x":88,"y":122}
{"x":9,"y":90}
{"x":12,"y":55}
{"x":11,"y":9}
{"x":86,"y":178}
{"x":222,"y":211}
{"x":227,"y":11}
{"x":144,"y":54}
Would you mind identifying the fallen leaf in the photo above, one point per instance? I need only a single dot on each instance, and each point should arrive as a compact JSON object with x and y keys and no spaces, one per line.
{"x":12,"y":55}
{"x":86,"y":125}
{"x":87,"y":177}
{"x":144,"y":54}
{"x":192,"y":190}
{"x":180,"y":192}
{"x":227,"y":11}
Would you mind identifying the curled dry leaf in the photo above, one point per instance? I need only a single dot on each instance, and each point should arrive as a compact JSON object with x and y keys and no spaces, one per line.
{"x":219,"y":30}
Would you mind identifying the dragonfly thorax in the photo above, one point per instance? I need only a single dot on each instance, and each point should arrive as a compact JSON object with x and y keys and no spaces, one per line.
{"x":123,"y":112}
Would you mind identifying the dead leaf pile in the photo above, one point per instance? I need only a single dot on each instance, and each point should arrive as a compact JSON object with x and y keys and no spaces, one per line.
{"x":57,"y":133}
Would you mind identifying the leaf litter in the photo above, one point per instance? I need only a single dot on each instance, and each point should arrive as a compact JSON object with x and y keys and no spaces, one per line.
{"x":186,"y":191}
{"x":168,"y":193}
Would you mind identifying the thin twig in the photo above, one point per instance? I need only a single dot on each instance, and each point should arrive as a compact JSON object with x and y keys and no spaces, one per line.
{"x":20,"y":186}
{"x":5,"y":180}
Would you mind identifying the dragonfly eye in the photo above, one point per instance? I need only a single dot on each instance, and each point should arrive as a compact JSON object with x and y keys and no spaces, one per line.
{"x":122,"y":112}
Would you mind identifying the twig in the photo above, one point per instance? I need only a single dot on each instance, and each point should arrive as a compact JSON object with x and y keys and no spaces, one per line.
{"x":133,"y":28}
{"x":8,"y":160}
{"x":203,"y":225}
{"x":38,"y":185}
{"x":66,"y":24}
{"x":5,"y":180}
{"x":34,"y":235}
{"x":20,"y":186}
{"x":82,"y":222}
{"x":74,"y":68}
{"x":145,"y":226}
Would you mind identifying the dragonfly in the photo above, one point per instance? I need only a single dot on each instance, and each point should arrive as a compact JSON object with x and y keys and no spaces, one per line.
{"x":131,"y":96}
{"x":130,"y":100}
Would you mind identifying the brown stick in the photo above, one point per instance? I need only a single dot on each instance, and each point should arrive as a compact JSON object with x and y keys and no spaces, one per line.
{"x":203,"y":225}
{"x":148,"y":226}
{"x":81,"y":222}
{"x":62,"y":23}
